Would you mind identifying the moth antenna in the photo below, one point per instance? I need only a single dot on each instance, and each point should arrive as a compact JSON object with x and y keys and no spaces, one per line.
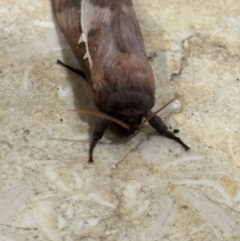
{"x":152,"y":114}
{"x":105,"y":117}
{"x":76,"y":71}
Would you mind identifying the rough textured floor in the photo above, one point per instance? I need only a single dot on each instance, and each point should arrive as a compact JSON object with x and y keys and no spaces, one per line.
{"x":144,"y":188}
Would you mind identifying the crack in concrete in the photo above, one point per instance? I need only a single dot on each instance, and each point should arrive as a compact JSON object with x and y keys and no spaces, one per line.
{"x":187,"y":51}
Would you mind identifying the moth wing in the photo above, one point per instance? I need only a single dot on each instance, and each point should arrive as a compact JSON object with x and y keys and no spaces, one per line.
{"x":68,"y":17}
{"x":101,"y":33}
{"x":111,"y":28}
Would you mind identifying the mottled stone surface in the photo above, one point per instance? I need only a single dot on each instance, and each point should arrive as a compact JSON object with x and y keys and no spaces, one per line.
{"x":144,"y":188}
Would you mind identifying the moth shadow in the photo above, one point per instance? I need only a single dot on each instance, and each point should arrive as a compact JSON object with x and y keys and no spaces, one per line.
{"x":80,"y":88}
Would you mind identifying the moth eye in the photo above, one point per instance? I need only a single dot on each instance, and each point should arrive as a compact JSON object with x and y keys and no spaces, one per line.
{"x":139,"y":119}
{"x":123,"y":118}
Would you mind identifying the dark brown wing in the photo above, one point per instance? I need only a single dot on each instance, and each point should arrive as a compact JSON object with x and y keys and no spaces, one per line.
{"x":106,"y":38}
{"x":67,"y":13}
{"x":111,"y":28}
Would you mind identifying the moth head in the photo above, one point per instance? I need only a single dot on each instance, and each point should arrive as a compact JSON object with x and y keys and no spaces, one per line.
{"x":130,"y":107}
{"x":129,"y":118}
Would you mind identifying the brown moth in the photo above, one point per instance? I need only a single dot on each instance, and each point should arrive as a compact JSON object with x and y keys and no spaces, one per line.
{"x":107,"y":41}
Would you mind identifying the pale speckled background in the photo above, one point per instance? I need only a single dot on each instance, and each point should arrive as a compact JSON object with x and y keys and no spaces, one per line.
{"x":144,"y":188}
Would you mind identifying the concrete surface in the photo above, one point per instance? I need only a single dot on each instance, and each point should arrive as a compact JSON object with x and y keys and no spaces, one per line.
{"x":138,"y":189}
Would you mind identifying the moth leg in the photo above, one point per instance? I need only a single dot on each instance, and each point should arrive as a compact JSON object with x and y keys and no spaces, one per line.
{"x":98,"y":132}
{"x":151,"y":57}
{"x":76,"y":71}
{"x":157,"y":123}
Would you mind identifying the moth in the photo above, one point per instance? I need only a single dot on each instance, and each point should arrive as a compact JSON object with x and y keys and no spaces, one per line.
{"x":106,"y":39}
